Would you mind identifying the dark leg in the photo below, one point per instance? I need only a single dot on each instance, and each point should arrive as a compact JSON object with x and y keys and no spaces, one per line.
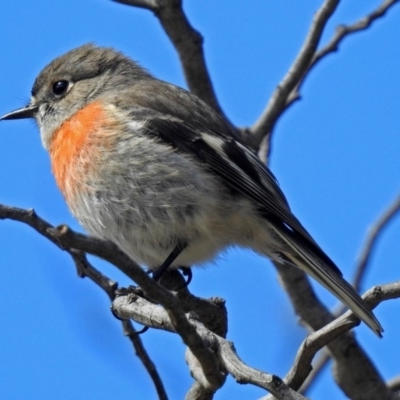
{"x":186,"y":271}
{"x":170,"y":259}
{"x":157,"y":274}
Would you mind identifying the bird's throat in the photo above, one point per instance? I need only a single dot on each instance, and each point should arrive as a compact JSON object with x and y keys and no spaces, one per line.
{"x":71,"y":147}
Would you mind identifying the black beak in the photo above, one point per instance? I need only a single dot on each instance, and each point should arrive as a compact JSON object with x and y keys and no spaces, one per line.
{"x":25,"y":112}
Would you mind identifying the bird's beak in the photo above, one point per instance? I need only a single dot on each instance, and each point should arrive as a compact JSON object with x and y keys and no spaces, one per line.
{"x":25,"y":112}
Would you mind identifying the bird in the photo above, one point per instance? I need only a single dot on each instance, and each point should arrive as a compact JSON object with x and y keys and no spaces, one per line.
{"x":155,"y":170}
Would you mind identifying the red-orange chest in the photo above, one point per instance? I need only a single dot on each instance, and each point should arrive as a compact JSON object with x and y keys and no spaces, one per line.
{"x":74,"y":149}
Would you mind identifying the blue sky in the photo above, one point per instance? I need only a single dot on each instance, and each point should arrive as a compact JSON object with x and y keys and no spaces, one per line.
{"x":335,"y":153}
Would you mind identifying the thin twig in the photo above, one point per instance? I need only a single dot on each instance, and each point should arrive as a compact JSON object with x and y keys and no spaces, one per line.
{"x":277,"y":104}
{"x":131,"y":306}
{"x":245,"y":374}
{"x":365,"y":256}
{"x":372,"y":239}
{"x":86,"y":269}
{"x":318,"y":367}
{"x":342,"y":31}
{"x":288,"y":91}
{"x":355,"y":371}
{"x":156,"y":317}
{"x":188,"y":43}
{"x":65,"y":238}
{"x":345,"y":30}
{"x":316,"y":340}
{"x":148,"y":363}
{"x":198,"y":392}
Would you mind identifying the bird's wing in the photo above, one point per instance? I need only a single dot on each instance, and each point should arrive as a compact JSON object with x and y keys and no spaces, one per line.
{"x":242,"y":171}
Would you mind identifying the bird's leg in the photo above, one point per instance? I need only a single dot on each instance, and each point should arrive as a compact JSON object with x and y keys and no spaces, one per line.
{"x":187,"y":272}
{"x":157,"y":274}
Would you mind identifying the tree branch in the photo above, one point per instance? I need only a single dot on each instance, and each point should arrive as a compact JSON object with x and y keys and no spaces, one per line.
{"x":188,"y":43}
{"x":288,"y":91}
{"x":65,"y":238}
{"x":132,"y":307}
{"x":156,"y":317}
{"x":354,"y":371}
{"x":198,"y":392}
{"x":277,"y":104}
{"x":343,"y":31}
{"x":371,"y":241}
{"x":316,"y":340}
{"x":85,"y":269}
{"x":316,"y":371}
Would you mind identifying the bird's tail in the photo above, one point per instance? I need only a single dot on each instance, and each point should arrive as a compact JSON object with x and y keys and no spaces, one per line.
{"x":321,"y":268}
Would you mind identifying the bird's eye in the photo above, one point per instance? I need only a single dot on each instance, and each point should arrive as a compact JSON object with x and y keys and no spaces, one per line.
{"x":60,"y":87}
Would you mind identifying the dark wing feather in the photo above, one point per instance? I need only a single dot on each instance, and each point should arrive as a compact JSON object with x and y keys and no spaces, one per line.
{"x":240,"y":169}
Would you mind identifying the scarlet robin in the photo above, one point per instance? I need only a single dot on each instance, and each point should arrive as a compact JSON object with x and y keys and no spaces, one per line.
{"x":152,"y":168}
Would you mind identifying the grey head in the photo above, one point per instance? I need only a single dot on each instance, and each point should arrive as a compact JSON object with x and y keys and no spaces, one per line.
{"x":73,"y":80}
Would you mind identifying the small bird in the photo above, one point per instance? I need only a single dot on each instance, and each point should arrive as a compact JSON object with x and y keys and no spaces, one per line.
{"x":154,"y":169}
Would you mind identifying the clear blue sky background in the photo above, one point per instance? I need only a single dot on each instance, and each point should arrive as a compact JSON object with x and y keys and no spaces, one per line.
{"x":335,"y":153}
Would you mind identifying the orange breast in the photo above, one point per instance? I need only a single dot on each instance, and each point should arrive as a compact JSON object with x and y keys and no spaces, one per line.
{"x":73,"y":149}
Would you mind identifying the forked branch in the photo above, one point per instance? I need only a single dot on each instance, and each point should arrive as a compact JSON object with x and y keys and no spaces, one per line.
{"x":288,"y":90}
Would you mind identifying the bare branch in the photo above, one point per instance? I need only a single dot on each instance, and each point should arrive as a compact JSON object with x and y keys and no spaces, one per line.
{"x":212,"y":312}
{"x":372,"y":238}
{"x":130,"y":307}
{"x":85,"y":269}
{"x":245,"y":374}
{"x":65,"y":238}
{"x":316,"y":340}
{"x":316,"y":371}
{"x":343,"y":31}
{"x":148,"y":363}
{"x":370,"y":243}
{"x":198,"y":392}
{"x":288,"y":91}
{"x":142,"y":311}
{"x":354,"y":371}
{"x":277,"y":104}
{"x":188,"y":43}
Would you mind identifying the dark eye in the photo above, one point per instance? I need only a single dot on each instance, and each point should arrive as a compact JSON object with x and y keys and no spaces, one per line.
{"x":60,"y":87}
